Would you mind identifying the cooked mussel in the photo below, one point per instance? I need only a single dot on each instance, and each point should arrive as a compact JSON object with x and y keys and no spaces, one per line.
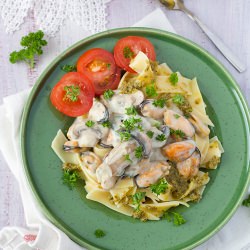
{"x":98,"y":112}
{"x":90,"y":160}
{"x":149,"y":110}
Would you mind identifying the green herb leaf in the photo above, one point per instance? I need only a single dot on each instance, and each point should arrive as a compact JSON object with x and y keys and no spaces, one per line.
{"x":246,"y":202}
{"x":107,"y":124}
{"x":175,"y":217}
{"x":89,"y":123}
{"x":140,"y":128}
{"x":159,"y":187}
{"x":68,"y":68}
{"x":176,"y":116}
{"x":32,"y":44}
{"x":159,"y":103}
{"x":173,"y":78}
{"x":130,"y":124}
{"x":99,"y":233}
{"x":72,"y":93}
{"x":178,"y":99}
{"x":139,"y":152}
{"x":128,"y":53}
{"x":151,"y":91}
{"x":127,"y":158}
{"x":137,"y":198}
{"x":108,"y":94}
{"x":108,"y":65}
{"x":150,"y":134}
{"x":70,"y":177}
{"x":161,"y":137}
{"x":177,"y":133}
{"x":131,"y":111}
{"x":125,"y":136}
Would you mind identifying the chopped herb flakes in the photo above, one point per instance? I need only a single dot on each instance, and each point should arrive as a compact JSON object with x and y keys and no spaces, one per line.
{"x":108,"y":94}
{"x":137,"y":198}
{"x":128,"y":53}
{"x":68,"y":68}
{"x":131,"y":111}
{"x":177,"y":116}
{"x":160,"y":137}
{"x":107,"y":124}
{"x":130,"y":124}
{"x":72,"y":93}
{"x":139,"y":152}
{"x":159,"y":103}
{"x":99,"y":233}
{"x":159,"y":187}
{"x":173,"y":78}
{"x":127,"y":158}
{"x":89,"y":123}
{"x":151,"y":91}
{"x":178,"y":99}
{"x":125,"y":136}
{"x":150,"y":134}
{"x":177,"y":133}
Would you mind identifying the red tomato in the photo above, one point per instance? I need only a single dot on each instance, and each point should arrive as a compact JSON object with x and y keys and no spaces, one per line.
{"x":128,"y":47}
{"x":99,"y":65}
{"x":73,"y":94}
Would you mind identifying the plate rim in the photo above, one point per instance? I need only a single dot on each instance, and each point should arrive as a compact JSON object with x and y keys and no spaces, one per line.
{"x":35,"y":89}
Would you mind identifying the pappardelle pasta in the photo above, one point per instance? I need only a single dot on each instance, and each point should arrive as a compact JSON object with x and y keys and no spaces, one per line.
{"x":143,"y":148}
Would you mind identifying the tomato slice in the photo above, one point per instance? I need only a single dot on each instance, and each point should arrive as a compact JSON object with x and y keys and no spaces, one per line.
{"x":73,"y":94}
{"x":128,"y":47}
{"x":99,"y":65}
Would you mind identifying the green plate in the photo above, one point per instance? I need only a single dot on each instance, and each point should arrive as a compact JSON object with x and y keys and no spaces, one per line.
{"x":78,"y":217}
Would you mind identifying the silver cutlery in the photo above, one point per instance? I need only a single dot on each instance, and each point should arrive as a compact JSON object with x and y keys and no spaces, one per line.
{"x":228,"y":54}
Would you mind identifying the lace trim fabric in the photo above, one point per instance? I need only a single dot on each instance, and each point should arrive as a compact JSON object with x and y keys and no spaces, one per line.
{"x":50,"y":15}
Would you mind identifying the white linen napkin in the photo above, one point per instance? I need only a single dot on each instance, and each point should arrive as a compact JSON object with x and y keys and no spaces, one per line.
{"x":43,"y":235}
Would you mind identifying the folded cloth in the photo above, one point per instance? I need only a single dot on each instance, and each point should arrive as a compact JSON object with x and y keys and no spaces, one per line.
{"x":41,"y":233}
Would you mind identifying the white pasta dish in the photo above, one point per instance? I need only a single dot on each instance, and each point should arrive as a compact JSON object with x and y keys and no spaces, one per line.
{"x":144,"y":147}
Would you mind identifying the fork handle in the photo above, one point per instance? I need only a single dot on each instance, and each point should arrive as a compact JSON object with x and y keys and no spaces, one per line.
{"x":229,"y":55}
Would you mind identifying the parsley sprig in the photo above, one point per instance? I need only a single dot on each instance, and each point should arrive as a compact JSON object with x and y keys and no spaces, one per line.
{"x":108,"y":94}
{"x":128,"y":53}
{"x":70,"y":177}
{"x":173,"y":78}
{"x":246,"y":202}
{"x":139,"y":152}
{"x":151,"y":91}
{"x":177,"y":133}
{"x":107,"y":124}
{"x":131,"y":123}
{"x":137,"y":198}
{"x":89,"y":123}
{"x":124,"y":135}
{"x":131,"y":111}
{"x":178,"y":99}
{"x":71,"y":93}
{"x":161,"y":137}
{"x":99,"y":233}
{"x":150,"y":134}
{"x":32,"y":46}
{"x":127,"y":158}
{"x":159,"y":187}
{"x":174,"y":217}
{"x":159,"y":103}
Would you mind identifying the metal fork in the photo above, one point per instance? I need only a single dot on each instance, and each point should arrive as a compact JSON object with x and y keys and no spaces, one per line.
{"x":228,"y":54}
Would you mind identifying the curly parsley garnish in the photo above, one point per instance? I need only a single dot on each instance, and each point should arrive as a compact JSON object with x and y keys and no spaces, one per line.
{"x":32,"y":46}
{"x":68,"y":68}
{"x":161,"y":137}
{"x":131,"y":111}
{"x":177,"y":133}
{"x":137,"y":198}
{"x":89,"y":123}
{"x":159,"y":103}
{"x":127,"y":158}
{"x":131,"y":123}
{"x":72,"y":93}
{"x":174,"y":217}
{"x":159,"y":187}
{"x":173,"y":78}
{"x":150,"y":134}
{"x":246,"y":202}
{"x":125,"y":136}
{"x":107,"y":124}
{"x":178,"y":99}
{"x":151,"y":91}
{"x":99,"y":233}
{"x":128,"y":53}
{"x":139,"y":152}
{"x":108,"y":94}
{"x":70,"y":177}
